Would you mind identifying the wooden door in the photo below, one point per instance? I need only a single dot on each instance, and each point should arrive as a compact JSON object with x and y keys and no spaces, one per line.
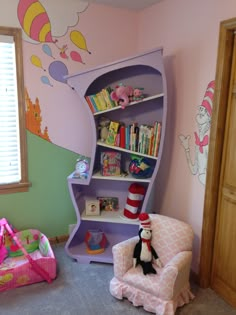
{"x":223,"y":278}
{"x":218,"y":243}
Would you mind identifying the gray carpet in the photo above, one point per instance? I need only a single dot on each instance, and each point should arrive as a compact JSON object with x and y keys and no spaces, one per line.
{"x":84,"y":290}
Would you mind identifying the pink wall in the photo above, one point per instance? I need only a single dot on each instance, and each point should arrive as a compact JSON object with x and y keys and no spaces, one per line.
{"x":188,"y":31}
{"x":112,"y":32}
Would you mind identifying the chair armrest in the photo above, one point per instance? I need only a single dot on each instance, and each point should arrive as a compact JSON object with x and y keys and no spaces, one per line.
{"x":175,"y":275}
{"x":123,"y":256}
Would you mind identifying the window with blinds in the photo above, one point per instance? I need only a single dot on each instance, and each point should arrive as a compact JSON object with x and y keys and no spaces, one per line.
{"x":10,"y":168}
{"x":13,"y":153}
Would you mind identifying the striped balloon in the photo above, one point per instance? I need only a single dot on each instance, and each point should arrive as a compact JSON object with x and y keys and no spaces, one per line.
{"x":34,"y":20}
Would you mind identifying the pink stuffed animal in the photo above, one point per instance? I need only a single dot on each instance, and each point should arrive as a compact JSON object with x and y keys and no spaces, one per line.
{"x":122,"y":94}
{"x":138,"y":94}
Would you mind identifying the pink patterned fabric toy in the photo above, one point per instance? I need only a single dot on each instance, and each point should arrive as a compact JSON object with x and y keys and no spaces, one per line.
{"x":26,"y":257}
{"x":3,"y":251}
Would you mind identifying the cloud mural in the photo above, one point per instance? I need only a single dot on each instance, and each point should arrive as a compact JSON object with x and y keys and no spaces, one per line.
{"x":34,"y":20}
{"x":53,"y":10}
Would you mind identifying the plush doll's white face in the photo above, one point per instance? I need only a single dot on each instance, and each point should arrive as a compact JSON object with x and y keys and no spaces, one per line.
{"x":146,"y":234}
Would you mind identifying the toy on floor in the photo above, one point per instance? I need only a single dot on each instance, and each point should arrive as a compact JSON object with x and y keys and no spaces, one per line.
{"x":143,"y":251}
{"x":25,"y":257}
{"x":96,"y":242}
{"x":3,"y":250}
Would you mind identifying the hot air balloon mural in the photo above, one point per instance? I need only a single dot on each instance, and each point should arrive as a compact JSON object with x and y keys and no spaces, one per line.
{"x":78,"y":39}
{"x":58,"y":70}
{"x":46,"y":48}
{"x":44,"y":79}
{"x":36,"y":61}
{"x":63,"y":52}
{"x":34,"y":21}
{"x":76,"y":56}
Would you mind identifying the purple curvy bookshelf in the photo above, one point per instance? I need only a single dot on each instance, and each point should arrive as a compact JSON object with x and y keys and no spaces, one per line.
{"x":145,"y":71}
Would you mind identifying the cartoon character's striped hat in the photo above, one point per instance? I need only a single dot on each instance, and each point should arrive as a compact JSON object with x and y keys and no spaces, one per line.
{"x":134,"y":201}
{"x":145,"y":222}
{"x":208,"y":97}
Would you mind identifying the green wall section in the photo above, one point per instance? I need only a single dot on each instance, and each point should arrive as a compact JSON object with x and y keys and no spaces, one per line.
{"x":47,"y":206}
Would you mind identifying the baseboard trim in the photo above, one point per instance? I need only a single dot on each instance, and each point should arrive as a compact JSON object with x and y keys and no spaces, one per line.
{"x":58,"y":239}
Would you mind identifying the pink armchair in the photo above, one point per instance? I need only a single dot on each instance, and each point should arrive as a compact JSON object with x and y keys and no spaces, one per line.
{"x":163,"y":292}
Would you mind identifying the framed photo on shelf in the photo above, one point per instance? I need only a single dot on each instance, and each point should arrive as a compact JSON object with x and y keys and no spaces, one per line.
{"x":108,"y":203}
{"x":92,"y":206}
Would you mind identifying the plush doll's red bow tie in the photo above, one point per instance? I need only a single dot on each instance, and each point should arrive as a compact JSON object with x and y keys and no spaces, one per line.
{"x":202,"y":143}
{"x":148,"y":243}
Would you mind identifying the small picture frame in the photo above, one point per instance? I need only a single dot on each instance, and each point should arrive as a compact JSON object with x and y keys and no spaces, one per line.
{"x":109,"y":203}
{"x":92,"y":207}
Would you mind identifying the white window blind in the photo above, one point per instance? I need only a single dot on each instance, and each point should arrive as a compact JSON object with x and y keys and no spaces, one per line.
{"x":10,"y":167}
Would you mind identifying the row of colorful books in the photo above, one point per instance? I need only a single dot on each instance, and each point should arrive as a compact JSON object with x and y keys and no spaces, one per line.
{"x":101,"y":101}
{"x":143,"y":139}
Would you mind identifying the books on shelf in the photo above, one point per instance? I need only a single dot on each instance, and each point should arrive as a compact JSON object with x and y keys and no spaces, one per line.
{"x":90,"y":104}
{"x":100,"y":101}
{"x":112,"y":133}
{"x":142,"y":138}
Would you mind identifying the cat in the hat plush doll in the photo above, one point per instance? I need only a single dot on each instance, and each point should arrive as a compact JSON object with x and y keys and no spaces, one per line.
{"x":144,"y":253}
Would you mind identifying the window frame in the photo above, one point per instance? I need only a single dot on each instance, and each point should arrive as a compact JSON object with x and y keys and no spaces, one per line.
{"x":24,"y":184}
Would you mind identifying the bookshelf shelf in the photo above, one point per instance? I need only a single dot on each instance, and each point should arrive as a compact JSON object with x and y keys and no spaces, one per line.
{"x":109,"y":216}
{"x":145,"y":71}
{"x":103,"y":144}
{"x":128,"y":178}
{"x":146,"y":99}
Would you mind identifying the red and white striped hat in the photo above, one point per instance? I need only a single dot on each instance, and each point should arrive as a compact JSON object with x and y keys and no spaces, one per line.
{"x":134,"y":200}
{"x":208,"y":97}
{"x":145,"y":222}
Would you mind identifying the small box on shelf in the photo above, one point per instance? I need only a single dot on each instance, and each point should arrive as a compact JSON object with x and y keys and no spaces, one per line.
{"x":92,"y":206}
{"x":110,"y":163}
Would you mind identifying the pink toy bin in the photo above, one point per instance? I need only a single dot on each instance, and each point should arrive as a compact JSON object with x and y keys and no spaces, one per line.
{"x":35,"y":263}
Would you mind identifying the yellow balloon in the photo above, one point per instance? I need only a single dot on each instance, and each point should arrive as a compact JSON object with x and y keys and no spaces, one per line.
{"x":36,"y":61}
{"x":78,"y":39}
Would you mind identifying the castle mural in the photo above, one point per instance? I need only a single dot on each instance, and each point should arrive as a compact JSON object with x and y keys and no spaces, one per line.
{"x":34,"y":118}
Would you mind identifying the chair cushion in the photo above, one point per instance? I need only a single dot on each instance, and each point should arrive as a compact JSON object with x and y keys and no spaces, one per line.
{"x":170,"y":236}
{"x":149,"y":283}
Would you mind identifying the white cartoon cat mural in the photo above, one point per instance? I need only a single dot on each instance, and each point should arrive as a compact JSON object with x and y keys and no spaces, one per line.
{"x":203,"y":118}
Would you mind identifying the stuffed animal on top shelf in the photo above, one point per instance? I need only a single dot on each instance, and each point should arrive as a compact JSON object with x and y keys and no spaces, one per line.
{"x":144,"y":253}
{"x":122,"y":95}
{"x":138,"y":94}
